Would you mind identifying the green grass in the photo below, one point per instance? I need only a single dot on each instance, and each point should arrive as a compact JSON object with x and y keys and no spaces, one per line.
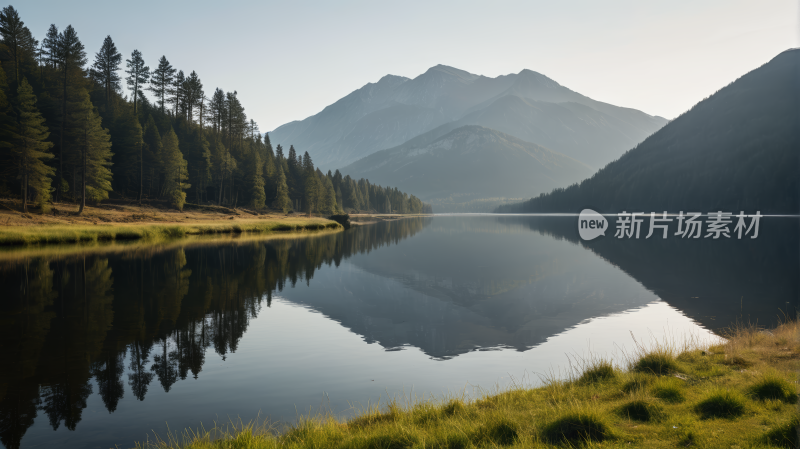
{"x":663,"y":400}
{"x":657,"y":361}
{"x":772,"y":385}
{"x":722,"y":403}
{"x":38,"y":235}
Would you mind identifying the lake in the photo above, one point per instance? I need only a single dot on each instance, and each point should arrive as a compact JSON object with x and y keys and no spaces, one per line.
{"x":105,"y":345}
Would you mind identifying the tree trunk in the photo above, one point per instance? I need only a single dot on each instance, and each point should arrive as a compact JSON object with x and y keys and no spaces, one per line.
{"x":221,"y":185}
{"x":61,"y":137}
{"x":141,"y":165}
{"x":25,"y":192}
{"x":83,"y":174}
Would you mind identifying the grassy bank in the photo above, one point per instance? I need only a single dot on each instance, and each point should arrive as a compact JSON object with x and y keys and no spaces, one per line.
{"x":15,"y":235}
{"x":739,"y":393}
{"x":125,"y":222}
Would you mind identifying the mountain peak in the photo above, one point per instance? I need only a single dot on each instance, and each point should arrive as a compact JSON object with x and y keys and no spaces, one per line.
{"x":452,"y":71}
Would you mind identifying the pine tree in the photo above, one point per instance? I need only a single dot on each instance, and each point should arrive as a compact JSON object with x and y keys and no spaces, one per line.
{"x":174,"y":167}
{"x":217,"y":107}
{"x":282,"y":200}
{"x":311,"y":184}
{"x":14,"y":33}
{"x":176,"y":91}
{"x":50,"y":44}
{"x":151,"y":152}
{"x":270,"y":175}
{"x":193,"y":94}
{"x":126,"y":134}
{"x":95,"y":153}
{"x":339,"y":199}
{"x":71,"y":59}
{"x":7,"y":127}
{"x":330,"y":198}
{"x":161,"y":82}
{"x":30,"y":145}
{"x":257,"y":195}
{"x":105,"y":67}
{"x":138,"y":75}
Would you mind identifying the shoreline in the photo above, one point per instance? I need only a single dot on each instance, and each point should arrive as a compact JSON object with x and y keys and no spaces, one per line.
{"x":739,"y":392}
{"x":132,"y":222}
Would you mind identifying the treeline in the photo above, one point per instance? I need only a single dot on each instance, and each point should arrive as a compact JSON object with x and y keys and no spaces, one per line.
{"x":67,"y":133}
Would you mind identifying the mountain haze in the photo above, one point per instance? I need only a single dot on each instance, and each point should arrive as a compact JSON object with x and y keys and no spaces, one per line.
{"x":468,"y":163}
{"x":526,"y":105}
{"x":737,"y":150}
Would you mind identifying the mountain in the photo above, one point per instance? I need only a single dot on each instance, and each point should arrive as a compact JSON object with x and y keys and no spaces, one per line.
{"x":736,"y":150}
{"x":527,"y":105}
{"x":467,"y":163}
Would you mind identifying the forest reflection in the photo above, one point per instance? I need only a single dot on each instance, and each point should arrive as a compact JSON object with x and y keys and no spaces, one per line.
{"x":70,"y":323}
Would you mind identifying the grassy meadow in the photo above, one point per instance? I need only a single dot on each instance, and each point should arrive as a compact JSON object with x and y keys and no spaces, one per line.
{"x":739,"y":393}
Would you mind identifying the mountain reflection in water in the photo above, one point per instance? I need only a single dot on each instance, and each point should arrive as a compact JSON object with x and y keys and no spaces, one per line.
{"x":136,"y":319}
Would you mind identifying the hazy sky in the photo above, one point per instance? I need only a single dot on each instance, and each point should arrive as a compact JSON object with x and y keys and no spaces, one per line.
{"x":288,"y":60}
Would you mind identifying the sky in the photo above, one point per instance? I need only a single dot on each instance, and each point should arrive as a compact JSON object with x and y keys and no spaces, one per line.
{"x":288,"y":60}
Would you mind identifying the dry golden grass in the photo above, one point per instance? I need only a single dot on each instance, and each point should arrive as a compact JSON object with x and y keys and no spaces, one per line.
{"x":133,"y":222}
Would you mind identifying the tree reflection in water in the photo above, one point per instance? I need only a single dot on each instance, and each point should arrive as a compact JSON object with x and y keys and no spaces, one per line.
{"x":68,"y":322}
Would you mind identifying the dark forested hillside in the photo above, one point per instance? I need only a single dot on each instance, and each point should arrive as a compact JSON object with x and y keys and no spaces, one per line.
{"x":69,"y":134}
{"x":736,"y":150}
{"x":470,"y":163}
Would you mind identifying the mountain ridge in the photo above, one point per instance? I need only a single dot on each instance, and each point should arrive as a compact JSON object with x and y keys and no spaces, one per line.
{"x":340,"y":134}
{"x":735,"y":150}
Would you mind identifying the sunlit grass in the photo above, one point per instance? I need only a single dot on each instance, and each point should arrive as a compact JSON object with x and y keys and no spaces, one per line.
{"x":44,"y":234}
{"x":671,"y":395}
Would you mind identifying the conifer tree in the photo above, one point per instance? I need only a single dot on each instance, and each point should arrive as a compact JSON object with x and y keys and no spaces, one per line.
{"x":176,"y":90}
{"x":71,"y":59}
{"x":50,"y":44}
{"x":257,"y":195}
{"x":105,"y":67}
{"x":15,"y":34}
{"x":29,"y":146}
{"x":339,"y":199}
{"x":330,"y":197}
{"x":161,"y":82}
{"x":126,"y":134}
{"x":151,"y":152}
{"x":282,"y":199}
{"x":270,"y":175}
{"x":95,"y":152}
{"x":138,"y":75}
{"x":175,"y":170}
{"x":192,"y":93}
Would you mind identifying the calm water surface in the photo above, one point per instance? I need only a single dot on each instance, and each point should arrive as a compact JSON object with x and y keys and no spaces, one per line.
{"x":100,"y":347}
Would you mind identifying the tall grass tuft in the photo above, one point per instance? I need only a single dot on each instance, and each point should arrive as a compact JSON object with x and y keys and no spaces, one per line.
{"x":720,"y":403}
{"x":668,"y":390}
{"x":785,"y":433}
{"x":501,"y":431}
{"x":577,"y":427}
{"x":598,"y":371}
{"x":641,"y":410}
{"x":772,"y":385}
{"x":658,"y":361}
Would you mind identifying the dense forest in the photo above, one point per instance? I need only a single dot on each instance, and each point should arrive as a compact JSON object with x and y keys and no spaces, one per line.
{"x":69,"y":134}
{"x":735,"y":150}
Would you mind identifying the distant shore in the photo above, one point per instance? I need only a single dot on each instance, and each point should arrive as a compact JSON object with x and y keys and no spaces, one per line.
{"x":130,"y":221}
